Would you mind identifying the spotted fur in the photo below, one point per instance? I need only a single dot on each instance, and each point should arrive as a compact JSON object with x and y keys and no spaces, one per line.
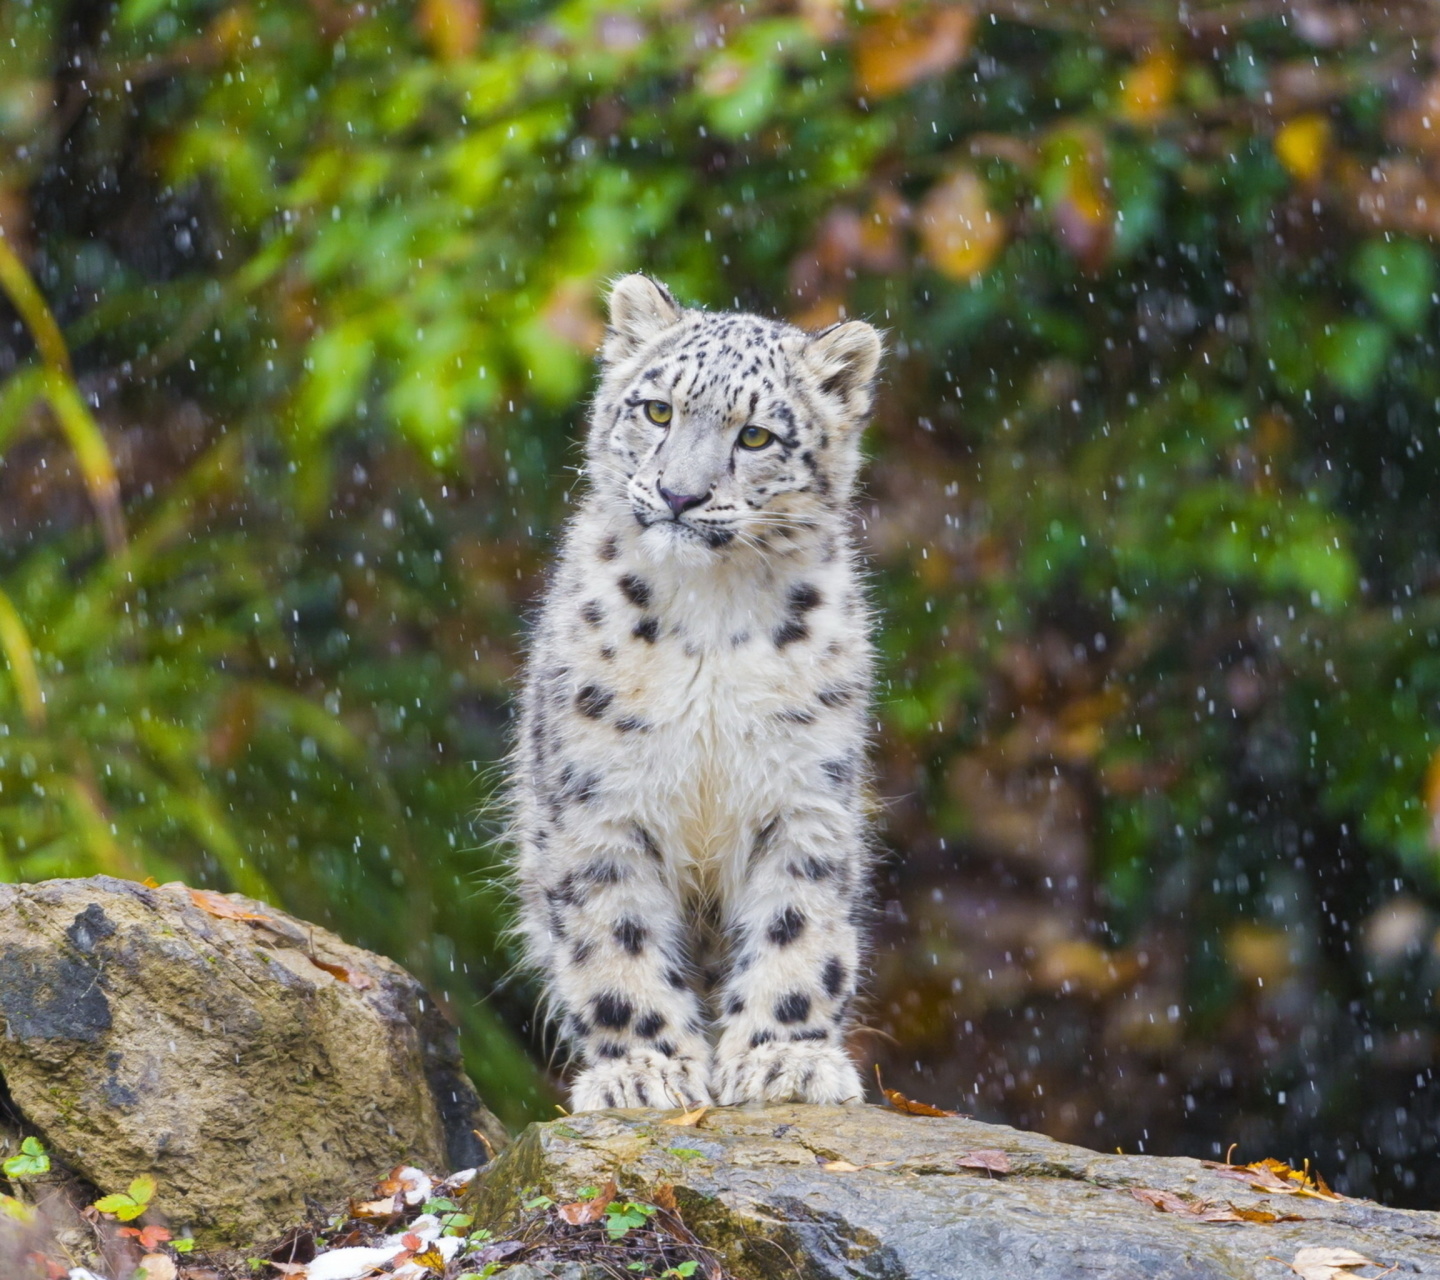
{"x":689,"y":781}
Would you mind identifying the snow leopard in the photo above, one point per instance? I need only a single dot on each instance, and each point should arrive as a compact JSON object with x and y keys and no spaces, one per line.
{"x":689,"y":792}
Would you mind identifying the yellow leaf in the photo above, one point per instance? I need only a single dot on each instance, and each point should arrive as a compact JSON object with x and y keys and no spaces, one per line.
{"x":690,"y":1118}
{"x":961,"y":235}
{"x":1301,"y":146}
{"x":1148,"y":88}
{"x":895,"y":52}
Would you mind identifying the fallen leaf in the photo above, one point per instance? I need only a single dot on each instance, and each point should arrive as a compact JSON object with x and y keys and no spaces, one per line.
{"x":579,"y":1213}
{"x":844,"y":1166}
{"x":217,"y":904}
{"x":156,"y":1266}
{"x":1205,"y":1211}
{"x":908,"y":1106}
{"x":362,"y":981}
{"x":989,"y":1159}
{"x":432,"y":1259}
{"x":1320,"y":1263}
{"x":1278,"y":1177}
{"x":150,"y":1237}
{"x":665,"y":1198}
{"x":386,"y":1208}
{"x":689,"y":1118}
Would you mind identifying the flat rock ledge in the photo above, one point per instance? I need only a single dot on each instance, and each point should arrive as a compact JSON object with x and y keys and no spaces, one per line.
{"x":245,"y":1059}
{"x":821,"y":1192}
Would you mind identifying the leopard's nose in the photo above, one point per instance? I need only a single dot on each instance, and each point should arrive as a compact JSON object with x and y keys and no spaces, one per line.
{"x":680,"y":503}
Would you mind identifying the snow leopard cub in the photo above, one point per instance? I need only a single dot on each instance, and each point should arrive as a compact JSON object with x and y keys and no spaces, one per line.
{"x":689,"y":783}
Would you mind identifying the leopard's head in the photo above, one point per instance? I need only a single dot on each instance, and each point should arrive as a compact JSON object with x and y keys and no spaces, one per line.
{"x":724,"y":431}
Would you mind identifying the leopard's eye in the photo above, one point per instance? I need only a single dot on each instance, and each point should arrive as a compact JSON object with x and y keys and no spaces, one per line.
{"x":753,"y":437}
{"x":659,"y":412}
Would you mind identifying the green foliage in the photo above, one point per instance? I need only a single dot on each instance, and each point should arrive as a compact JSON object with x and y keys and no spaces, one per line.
{"x":30,"y":1162}
{"x":624,"y":1216}
{"x":131,"y":1203}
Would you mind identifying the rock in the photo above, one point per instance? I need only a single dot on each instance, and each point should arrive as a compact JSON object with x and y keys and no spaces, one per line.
{"x":755,"y":1187}
{"x":245,"y":1059}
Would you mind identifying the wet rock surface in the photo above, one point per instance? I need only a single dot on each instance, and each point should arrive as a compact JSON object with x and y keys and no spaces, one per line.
{"x":786,"y":1191}
{"x":245,"y":1059}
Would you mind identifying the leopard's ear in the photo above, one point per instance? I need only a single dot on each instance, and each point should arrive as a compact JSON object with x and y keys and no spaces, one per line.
{"x":845,"y":358}
{"x":640,"y":308}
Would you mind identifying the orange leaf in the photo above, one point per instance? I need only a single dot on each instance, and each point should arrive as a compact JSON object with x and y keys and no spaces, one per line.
{"x":664,"y":1197}
{"x":356,"y":979}
{"x":1148,"y":87}
{"x":989,"y":1159}
{"x":217,"y":904}
{"x":960,"y":233}
{"x":689,"y":1118}
{"x":579,"y":1213}
{"x":895,"y":52}
{"x":908,"y":1106}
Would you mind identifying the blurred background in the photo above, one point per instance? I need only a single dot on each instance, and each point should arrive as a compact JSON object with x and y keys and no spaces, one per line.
{"x":300,"y":303}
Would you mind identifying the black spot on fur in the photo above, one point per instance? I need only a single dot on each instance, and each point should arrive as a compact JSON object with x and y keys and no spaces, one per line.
{"x":774,"y":1073}
{"x":676,"y":979}
{"x":647,"y":629}
{"x":631,"y":936}
{"x":647,"y":842}
{"x":609,"y":1097}
{"x":609,"y":1049}
{"x":789,"y":631}
{"x":812,"y":868}
{"x":791,"y":1008}
{"x":614,"y":1011}
{"x":764,"y":836}
{"x":576,"y":787}
{"x":630,"y":724}
{"x":795,"y":716}
{"x":666,"y":1047}
{"x":832,"y":978}
{"x":735,"y":1007}
{"x":786,"y":927}
{"x":610,"y":548}
{"x":803,"y":598}
{"x":607,"y":652}
{"x":581,"y":952}
{"x":650,"y":1026}
{"x":592,"y":612}
{"x":592,"y":700}
{"x":815,"y":1033}
{"x":836,"y":697}
{"x":840,"y":772}
{"x":604,"y":871}
{"x":635,"y":589}
{"x":761,"y":1037}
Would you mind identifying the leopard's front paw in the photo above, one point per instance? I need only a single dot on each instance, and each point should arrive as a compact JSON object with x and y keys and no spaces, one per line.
{"x":804,"y":1071}
{"x":643,"y":1078}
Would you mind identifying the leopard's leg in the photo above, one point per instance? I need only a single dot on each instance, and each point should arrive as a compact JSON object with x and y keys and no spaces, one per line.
{"x":606,"y":929}
{"x":796,"y":932}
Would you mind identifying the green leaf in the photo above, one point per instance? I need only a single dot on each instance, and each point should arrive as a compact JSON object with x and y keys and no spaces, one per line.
{"x":30,"y":1163}
{"x":1353,"y":355}
{"x":1397,"y":277}
{"x":184,"y":1244}
{"x":687,"y":1153}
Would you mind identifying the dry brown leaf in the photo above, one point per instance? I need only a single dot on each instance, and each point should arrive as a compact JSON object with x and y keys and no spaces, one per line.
{"x":1278,"y":1177}
{"x":690,"y":1118}
{"x":386,"y":1208}
{"x":581,"y":1212}
{"x":664,"y":1198}
{"x":217,"y":904}
{"x":1321,"y":1263}
{"x":908,"y":1106}
{"x":157,"y":1266}
{"x":989,"y":1159}
{"x":361,"y":981}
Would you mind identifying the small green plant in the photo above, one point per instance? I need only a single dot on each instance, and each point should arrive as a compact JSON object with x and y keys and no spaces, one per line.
{"x":131,"y":1203}
{"x":539,"y":1202}
{"x":31,"y":1162}
{"x":687,"y":1153}
{"x":681,"y":1271}
{"x":622,"y":1218}
{"x":183,"y":1245}
{"x":453,"y":1219}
